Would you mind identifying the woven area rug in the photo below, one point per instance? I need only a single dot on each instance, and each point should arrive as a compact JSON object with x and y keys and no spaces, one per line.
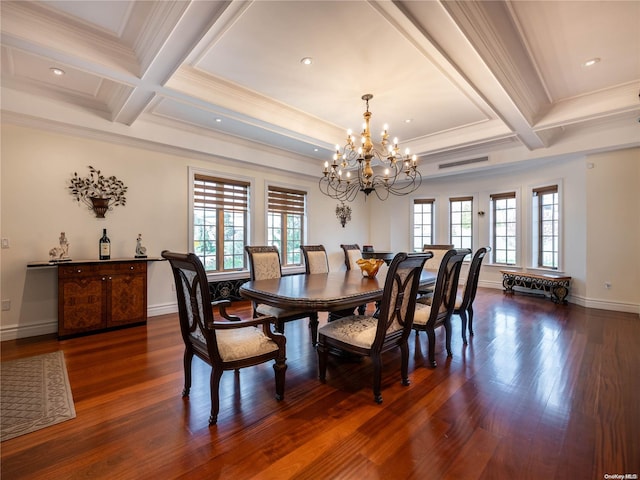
{"x":35,"y":393}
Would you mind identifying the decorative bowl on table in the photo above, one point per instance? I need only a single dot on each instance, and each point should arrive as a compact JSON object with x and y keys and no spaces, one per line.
{"x":369,"y":266}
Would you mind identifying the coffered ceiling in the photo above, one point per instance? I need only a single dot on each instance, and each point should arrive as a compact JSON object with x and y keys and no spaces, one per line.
{"x":454,"y":80}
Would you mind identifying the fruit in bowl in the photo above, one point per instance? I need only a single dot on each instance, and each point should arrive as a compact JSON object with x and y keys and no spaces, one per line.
{"x":369,"y":266}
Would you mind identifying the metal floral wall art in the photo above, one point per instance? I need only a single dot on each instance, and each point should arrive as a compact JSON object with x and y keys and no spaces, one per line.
{"x":98,"y":192}
{"x":343,"y":212}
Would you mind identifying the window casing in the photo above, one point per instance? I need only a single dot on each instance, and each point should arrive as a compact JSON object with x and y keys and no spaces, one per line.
{"x":461,"y":222}
{"x":220,"y":221}
{"x":422,"y":223}
{"x":547,"y":214}
{"x":285,"y":223}
{"x":504,"y":228}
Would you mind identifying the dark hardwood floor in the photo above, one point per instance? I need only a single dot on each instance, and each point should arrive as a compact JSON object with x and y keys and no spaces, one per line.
{"x":542,"y":391}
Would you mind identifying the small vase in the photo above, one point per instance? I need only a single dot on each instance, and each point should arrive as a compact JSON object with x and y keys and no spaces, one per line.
{"x":100,"y":206}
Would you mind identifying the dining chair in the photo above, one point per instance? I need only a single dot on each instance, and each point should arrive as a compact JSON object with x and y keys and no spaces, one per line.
{"x":352,"y":254}
{"x":264,"y":263}
{"x":433,"y":264}
{"x":315,"y":259}
{"x":368,"y":335}
{"x":467,"y":293}
{"x":429,"y":317}
{"x":225,"y":345}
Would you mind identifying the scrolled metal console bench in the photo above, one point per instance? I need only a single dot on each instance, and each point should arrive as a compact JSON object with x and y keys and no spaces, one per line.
{"x":556,"y":285}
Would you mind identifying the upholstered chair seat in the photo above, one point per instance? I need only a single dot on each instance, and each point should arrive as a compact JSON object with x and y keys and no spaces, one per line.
{"x":240,"y":344}
{"x":359,"y":330}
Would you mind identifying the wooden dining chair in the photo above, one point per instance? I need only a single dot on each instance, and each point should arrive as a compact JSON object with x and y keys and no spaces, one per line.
{"x":438,"y":313}
{"x":352,"y":254}
{"x":467,"y":293}
{"x":371,"y":336}
{"x":264,"y":263}
{"x":315,"y":259}
{"x":225,"y":345}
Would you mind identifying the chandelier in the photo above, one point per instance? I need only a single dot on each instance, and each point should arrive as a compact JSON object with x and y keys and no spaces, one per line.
{"x":395,"y":173}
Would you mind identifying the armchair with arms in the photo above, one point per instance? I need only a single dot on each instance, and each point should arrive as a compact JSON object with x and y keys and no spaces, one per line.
{"x":225,"y":345}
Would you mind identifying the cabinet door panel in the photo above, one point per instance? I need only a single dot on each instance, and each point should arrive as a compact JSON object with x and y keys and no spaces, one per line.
{"x":127,"y":299}
{"x":81,"y":305}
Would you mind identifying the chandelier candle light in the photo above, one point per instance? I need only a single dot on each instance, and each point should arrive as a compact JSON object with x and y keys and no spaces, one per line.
{"x":399,"y":175}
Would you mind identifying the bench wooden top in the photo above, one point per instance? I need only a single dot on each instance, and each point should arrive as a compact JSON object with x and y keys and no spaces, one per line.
{"x":547,"y":276}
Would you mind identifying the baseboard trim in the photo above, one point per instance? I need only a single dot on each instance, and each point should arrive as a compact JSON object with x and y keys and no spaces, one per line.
{"x":582,"y":301}
{"x":13,"y":332}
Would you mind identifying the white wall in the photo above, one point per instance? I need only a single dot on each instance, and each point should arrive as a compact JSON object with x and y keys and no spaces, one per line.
{"x":613,"y":229}
{"x":600,"y":209}
{"x":36,"y":207}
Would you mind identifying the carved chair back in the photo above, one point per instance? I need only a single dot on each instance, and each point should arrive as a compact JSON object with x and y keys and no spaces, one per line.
{"x":352,"y":254}
{"x":315,"y":258}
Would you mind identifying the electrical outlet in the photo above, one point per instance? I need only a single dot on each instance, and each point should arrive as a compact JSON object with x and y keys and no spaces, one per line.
{"x":5,"y":243}
{"x":6,"y":305}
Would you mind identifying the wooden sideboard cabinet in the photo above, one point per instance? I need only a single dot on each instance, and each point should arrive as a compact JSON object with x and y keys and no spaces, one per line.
{"x":100,"y":295}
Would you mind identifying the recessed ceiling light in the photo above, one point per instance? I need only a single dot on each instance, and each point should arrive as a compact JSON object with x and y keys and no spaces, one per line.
{"x":408,"y":120}
{"x":57,"y":71}
{"x":218,"y":120}
{"x":306,"y":61}
{"x":315,"y":149}
{"x":591,"y":62}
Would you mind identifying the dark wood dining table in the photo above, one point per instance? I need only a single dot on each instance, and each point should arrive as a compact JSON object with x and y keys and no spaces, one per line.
{"x":321,"y":292}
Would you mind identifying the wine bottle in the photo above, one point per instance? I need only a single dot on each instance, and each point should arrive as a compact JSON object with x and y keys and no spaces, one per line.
{"x":105,"y":246}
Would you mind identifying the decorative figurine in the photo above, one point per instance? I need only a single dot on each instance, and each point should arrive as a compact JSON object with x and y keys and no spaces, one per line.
{"x":61,"y":253}
{"x":141,"y":252}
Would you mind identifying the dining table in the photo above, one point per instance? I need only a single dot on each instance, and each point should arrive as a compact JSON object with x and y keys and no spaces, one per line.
{"x":335,"y":292}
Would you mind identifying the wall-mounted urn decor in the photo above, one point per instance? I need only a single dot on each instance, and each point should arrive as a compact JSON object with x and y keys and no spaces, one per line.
{"x":98,"y":192}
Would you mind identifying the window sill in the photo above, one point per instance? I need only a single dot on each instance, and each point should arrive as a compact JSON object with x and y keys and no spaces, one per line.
{"x":219,"y":277}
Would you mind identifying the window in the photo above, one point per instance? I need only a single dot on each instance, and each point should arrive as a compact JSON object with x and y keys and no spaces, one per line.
{"x":422,"y":223}
{"x":504,"y":223}
{"x":460,"y":222}
{"x":285,"y":223}
{"x":546,"y":214}
{"x":220,"y":215}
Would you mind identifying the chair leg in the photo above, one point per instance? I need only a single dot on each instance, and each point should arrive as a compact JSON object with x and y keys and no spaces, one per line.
{"x":186,"y":361}
{"x":404,"y":366}
{"x":447,"y":334}
{"x":470,"y":311}
{"x":323,"y":353}
{"x":361,"y":309}
{"x":313,"y":326}
{"x":431,"y":338}
{"x":463,"y":317}
{"x":279,"y":326}
{"x":280,"y":367}
{"x":215,"y":399}
{"x":376,"y":359}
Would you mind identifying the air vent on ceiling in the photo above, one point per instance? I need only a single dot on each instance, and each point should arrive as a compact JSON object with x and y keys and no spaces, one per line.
{"x":463,"y":162}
